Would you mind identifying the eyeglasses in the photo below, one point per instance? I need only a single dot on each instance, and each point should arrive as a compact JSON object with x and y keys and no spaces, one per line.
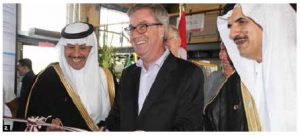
{"x":141,"y":28}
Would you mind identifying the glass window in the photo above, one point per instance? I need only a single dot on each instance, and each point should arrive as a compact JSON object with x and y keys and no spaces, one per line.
{"x":115,"y":21}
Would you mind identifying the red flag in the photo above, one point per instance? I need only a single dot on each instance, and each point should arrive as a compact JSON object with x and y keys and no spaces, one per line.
{"x":46,"y":44}
{"x":182,"y":30}
{"x":182,"y":33}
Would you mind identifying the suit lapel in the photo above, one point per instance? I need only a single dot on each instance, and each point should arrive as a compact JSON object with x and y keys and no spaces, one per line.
{"x":131,"y":97}
{"x":136,"y":85}
{"x":161,"y":81}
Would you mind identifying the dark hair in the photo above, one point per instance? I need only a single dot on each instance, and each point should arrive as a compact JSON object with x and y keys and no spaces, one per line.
{"x":25,"y":62}
{"x":228,"y":7}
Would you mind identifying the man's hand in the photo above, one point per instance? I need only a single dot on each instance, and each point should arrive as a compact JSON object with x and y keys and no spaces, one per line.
{"x":57,"y":125}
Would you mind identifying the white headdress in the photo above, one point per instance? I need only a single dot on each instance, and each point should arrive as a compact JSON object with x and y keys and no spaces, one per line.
{"x":273,"y":86}
{"x":90,"y":81}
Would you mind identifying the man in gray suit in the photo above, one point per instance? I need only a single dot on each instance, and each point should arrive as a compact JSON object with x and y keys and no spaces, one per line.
{"x":160,"y":92}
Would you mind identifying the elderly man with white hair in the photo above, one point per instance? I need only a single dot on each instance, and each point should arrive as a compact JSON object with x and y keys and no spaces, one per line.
{"x":75,"y":91}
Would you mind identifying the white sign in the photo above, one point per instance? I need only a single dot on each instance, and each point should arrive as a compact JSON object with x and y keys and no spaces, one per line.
{"x":194,"y":23}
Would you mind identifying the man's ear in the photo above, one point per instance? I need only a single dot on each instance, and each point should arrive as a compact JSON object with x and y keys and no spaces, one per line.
{"x":179,"y":41}
{"x":161,"y":31}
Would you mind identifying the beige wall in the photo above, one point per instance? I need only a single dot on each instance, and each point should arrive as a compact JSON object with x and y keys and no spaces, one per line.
{"x":84,"y":13}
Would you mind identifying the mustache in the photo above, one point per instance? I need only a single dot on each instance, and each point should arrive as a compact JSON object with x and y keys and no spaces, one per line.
{"x":240,"y":37}
{"x":77,"y":57}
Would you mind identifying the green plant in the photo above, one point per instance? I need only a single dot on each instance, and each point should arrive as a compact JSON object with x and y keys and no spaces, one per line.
{"x":106,"y":53}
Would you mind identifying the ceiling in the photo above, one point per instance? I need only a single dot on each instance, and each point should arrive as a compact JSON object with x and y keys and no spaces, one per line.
{"x":173,"y":9}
